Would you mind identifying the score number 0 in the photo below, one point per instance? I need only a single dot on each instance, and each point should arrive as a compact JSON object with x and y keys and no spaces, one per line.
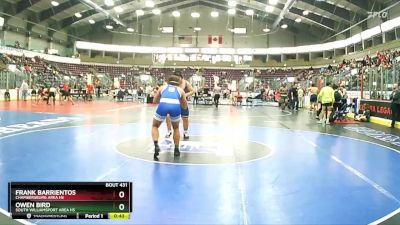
{"x":121,"y":206}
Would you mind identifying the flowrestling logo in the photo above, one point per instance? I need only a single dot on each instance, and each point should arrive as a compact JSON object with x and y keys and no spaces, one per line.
{"x":206,"y":147}
{"x":16,"y":128}
{"x":382,"y":14}
{"x":379,"y":135}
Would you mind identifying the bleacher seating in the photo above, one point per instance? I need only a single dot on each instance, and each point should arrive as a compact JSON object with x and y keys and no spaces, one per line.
{"x":46,"y":71}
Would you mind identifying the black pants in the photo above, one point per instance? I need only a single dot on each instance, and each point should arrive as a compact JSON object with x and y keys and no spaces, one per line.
{"x":395,"y":113}
{"x":319,"y":109}
{"x":195,"y":99}
{"x":336,"y":106}
{"x":216,"y":99}
{"x":295,"y":103}
{"x":98,"y":92}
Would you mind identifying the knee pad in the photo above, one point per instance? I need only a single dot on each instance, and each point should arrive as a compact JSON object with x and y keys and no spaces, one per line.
{"x":185,"y":112}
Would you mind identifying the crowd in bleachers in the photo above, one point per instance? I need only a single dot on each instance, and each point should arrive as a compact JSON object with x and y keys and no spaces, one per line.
{"x":51,"y":72}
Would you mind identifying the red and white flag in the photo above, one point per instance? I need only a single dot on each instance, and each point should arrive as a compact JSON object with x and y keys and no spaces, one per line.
{"x":214,"y":40}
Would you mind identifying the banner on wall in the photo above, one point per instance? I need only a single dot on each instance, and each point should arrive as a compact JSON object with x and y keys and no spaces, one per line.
{"x":357,"y":94}
{"x":185,"y":40}
{"x":379,"y":109}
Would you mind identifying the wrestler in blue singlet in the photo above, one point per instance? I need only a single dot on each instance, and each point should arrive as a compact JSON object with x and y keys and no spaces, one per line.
{"x":169,"y":104}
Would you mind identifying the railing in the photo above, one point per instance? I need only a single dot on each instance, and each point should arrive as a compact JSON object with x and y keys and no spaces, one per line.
{"x":12,"y":80}
{"x":32,"y":54}
{"x":379,"y":82}
{"x":374,"y":83}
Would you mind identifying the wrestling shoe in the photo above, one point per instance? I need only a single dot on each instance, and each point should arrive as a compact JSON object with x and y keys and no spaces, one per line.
{"x":177,"y":152}
{"x":156,"y":151}
{"x":185,"y":136}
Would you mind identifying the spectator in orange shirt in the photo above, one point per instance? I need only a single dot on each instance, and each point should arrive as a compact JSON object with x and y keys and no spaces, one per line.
{"x":90,"y":91}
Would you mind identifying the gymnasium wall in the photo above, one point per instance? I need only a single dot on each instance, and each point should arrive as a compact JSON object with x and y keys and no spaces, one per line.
{"x":35,"y":42}
{"x":394,"y":12}
{"x":150,"y":34}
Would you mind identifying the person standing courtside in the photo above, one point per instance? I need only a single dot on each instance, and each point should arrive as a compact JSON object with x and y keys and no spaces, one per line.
{"x":313,"y":91}
{"x":300,"y":93}
{"x":196,"y":95}
{"x":187,"y":87}
{"x":52,"y":94}
{"x":294,"y":96}
{"x":327,"y":97}
{"x":217,"y":95}
{"x":283,"y":90}
{"x":395,"y":105}
{"x":24,"y":89}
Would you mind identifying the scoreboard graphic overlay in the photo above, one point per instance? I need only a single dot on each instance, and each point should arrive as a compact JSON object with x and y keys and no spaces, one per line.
{"x":70,"y":200}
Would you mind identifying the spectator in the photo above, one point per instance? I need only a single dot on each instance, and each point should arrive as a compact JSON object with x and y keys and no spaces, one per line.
{"x":294,"y":97}
{"x":326,"y":97}
{"x":217,"y":95}
{"x":7,"y":95}
{"x":365,"y":116}
{"x":195,"y":95}
{"x":283,"y":93}
{"x":300,"y":93}
{"x":98,"y":87}
{"x":24,"y":90}
{"x":120,"y":95}
{"x":52,"y":94}
{"x":338,"y":98}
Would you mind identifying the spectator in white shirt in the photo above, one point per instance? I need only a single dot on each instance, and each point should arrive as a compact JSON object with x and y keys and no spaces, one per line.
{"x":24,"y":89}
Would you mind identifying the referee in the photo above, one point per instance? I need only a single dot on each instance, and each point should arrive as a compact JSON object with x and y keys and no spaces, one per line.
{"x":395,"y":105}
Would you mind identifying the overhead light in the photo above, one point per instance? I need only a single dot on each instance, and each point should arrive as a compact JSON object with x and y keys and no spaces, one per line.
{"x":130,"y":29}
{"x":109,"y":27}
{"x":109,"y":2}
{"x":232,"y":3}
{"x":306,"y":12}
{"x":269,"y":8}
{"x":284,"y":26}
{"x":249,"y":12}
{"x":156,"y":11}
{"x":92,"y":22}
{"x":231,"y":11}
{"x":239,"y":30}
{"x":167,"y":29}
{"x":118,"y":9}
{"x":266,"y":30}
{"x":273,"y":2}
{"x":54,"y":3}
{"x":214,"y":14}
{"x":197,"y":29}
{"x":78,"y":15}
{"x":139,"y":12}
{"x":298,"y":20}
{"x":195,"y":14}
{"x":149,"y":3}
{"x":176,"y":14}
